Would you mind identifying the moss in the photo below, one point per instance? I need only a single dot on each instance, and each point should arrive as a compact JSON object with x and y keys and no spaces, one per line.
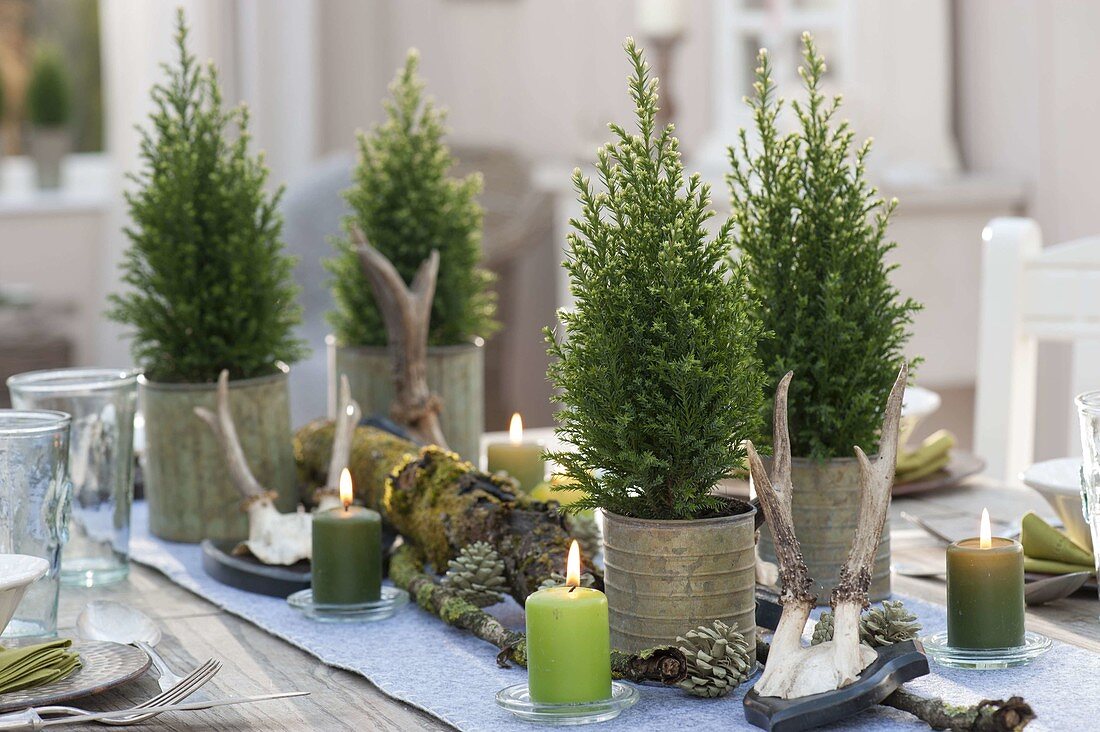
{"x":374,"y":452}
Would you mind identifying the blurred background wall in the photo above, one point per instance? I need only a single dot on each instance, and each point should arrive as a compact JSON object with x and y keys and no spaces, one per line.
{"x":978,"y":108}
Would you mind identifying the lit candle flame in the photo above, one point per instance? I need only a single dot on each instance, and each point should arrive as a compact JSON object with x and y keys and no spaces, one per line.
{"x":573,"y":566}
{"x":515,"y":429}
{"x":347,"y":491}
{"x":985,"y":540}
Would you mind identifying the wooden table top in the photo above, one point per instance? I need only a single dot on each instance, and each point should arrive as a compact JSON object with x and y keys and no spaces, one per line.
{"x":258,"y":663}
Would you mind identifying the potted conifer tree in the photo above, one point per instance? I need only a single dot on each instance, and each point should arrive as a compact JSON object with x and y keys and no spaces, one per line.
{"x":659,"y":384}
{"x":49,"y":111}
{"x":405,"y":205}
{"x":813,"y":234}
{"x":209,"y":288}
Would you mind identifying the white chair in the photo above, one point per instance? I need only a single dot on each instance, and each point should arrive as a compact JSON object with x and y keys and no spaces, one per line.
{"x":1030,"y":293}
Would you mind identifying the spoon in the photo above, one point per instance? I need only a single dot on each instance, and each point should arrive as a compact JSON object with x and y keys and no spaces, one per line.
{"x":1036,"y":592}
{"x":117,"y":622}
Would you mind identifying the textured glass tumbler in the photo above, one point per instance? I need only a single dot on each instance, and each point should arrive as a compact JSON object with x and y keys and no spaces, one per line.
{"x":1088,"y":410}
{"x":34,"y":507}
{"x":101,"y":450}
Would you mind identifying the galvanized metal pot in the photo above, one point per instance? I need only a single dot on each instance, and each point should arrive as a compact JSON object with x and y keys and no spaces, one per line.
{"x":186,"y":481}
{"x":825,"y":508}
{"x":664,"y":578}
{"x":455,"y":373}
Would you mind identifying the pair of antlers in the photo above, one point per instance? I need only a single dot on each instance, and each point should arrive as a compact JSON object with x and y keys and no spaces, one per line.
{"x":794,"y":670}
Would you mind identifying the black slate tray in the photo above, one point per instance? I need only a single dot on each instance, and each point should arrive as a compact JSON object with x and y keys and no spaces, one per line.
{"x":250,"y":574}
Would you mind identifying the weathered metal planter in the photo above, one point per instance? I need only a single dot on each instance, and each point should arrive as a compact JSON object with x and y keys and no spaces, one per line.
{"x":664,"y":578}
{"x":186,"y":482}
{"x":455,"y":373}
{"x":49,"y":146}
{"x":825,"y":507}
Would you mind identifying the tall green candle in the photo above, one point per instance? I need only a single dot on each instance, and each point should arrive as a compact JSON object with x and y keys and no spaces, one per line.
{"x":521,"y":460}
{"x":347,"y":552}
{"x":568,"y":642}
{"x":985,"y":592}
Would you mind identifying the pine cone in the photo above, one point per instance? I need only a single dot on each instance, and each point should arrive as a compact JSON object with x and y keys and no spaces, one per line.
{"x":558,"y":580}
{"x":583,"y":528}
{"x":477,"y":575}
{"x":718,"y":660}
{"x":823,"y":630}
{"x":878,"y":627}
{"x":891,"y":624}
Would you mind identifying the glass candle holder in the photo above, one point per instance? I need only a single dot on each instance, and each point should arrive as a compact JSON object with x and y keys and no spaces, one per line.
{"x":34,"y":507}
{"x":101,"y":447}
{"x":1088,"y":412}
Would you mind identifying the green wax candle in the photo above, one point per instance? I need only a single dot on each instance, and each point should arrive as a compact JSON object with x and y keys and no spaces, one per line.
{"x":568,"y":645}
{"x":985,"y":593}
{"x":347,"y":556}
{"x":521,"y":460}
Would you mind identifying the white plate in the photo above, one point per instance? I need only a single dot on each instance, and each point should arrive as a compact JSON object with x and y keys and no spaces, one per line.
{"x":1059,"y":482}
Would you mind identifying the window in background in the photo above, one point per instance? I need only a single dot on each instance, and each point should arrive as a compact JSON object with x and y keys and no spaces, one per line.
{"x":70,"y":26}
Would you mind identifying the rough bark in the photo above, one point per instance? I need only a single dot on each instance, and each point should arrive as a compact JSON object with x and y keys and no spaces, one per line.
{"x":665,"y":665}
{"x":441,"y":503}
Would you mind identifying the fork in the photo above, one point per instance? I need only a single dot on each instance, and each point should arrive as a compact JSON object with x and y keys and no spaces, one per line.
{"x":186,"y":686}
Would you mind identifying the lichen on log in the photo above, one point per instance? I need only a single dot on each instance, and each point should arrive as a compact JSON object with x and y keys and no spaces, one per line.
{"x":442,"y":503}
{"x":665,"y":665}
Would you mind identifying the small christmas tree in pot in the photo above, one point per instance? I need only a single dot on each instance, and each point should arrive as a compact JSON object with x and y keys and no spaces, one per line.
{"x":813,"y":234}
{"x":209,"y":288}
{"x":659,"y":385}
{"x":49,"y":111}
{"x":405,"y":205}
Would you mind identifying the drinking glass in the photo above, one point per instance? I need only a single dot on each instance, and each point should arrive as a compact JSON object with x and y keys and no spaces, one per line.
{"x":101,"y":449}
{"x":34,"y":507}
{"x":1088,"y":410}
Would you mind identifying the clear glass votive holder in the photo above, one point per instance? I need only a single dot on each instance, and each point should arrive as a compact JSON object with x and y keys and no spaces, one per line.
{"x":1088,"y":412}
{"x":34,"y":507}
{"x":101,"y":452}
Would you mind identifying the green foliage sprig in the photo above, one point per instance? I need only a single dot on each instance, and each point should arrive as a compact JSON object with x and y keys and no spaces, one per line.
{"x":813,"y":233}
{"x":210,"y":286}
{"x":658,"y":376}
{"x":406,"y":205}
{"x":49,"y":97}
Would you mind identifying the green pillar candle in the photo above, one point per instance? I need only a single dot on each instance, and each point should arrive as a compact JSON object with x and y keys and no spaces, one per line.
{"x":568,"y":644}
{"x":985,"y":593}
{"x":347,"y":554}
{"x":521,"y":460}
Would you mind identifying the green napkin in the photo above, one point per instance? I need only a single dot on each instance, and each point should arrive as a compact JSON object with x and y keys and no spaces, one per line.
{"x":931,"y":455}
{"x":1048,"y":550}
{"x":22,"y":668}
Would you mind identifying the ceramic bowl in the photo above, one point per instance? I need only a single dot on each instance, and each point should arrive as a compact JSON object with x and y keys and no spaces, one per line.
{"x":17,"y":572}
{"x":917,"y":404}
{"x":1059,"y":481}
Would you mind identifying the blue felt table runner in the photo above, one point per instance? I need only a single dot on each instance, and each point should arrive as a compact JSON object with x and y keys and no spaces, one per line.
{"x":454,"y":676}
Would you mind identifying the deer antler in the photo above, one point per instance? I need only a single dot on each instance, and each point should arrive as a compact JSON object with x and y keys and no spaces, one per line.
{"x":406,"y":312}
{"x":794,"y":670}
{"x":347,"y":419}
{"x":273,"y":537}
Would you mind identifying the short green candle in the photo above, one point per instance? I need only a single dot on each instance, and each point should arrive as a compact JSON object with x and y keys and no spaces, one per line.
{"x":568,"y":646}
{"x":985,"y":594}
{"x":347,"y":556}
{"x":521,"y":460}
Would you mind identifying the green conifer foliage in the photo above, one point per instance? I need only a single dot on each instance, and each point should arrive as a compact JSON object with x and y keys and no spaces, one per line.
{"x":209,"y":286}
{"x":659,"y":382}
{"x":813,"y":233}
{"x":406,"y":205}
{"x":49,"y":98}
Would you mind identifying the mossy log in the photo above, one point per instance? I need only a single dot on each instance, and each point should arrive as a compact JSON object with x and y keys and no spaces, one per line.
{"x":666,"y":665}
{"x":441,"y":503}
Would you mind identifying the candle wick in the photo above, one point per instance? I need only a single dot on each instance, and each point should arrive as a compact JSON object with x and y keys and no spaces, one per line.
{"x":572,"y":587}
